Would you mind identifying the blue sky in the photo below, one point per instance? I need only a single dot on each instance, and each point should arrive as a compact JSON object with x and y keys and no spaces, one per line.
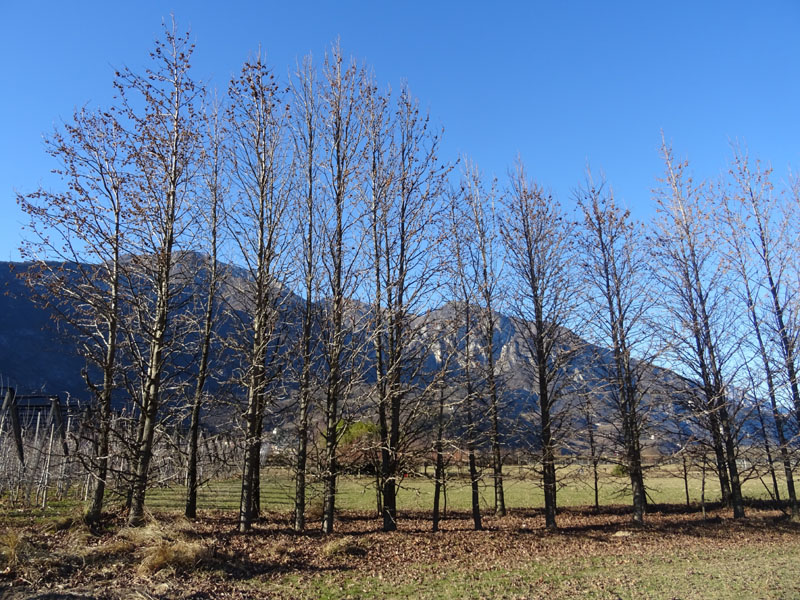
{"x":564,"y":84}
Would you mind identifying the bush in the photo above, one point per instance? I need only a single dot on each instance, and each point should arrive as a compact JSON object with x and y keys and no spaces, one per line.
{"x":620,"y":470}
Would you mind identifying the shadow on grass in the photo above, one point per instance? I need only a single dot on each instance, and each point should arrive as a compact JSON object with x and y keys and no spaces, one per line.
{"x":588,"y":521}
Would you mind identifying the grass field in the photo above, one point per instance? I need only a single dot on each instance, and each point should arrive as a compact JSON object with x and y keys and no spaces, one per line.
{"x":522,"y":490}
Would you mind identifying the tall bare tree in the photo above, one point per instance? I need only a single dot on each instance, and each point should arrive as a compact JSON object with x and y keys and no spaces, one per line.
{"x":214,"y":184}
{"x":463,"y":294}
{"x":482,"y":245}
{"x":305,"y":132}
{"x":261,"y":164}
{"x":760,"y":253}
{"x":160,"y":109}
{"x":704,"y":336}
{"x":339,"y":217}
{"x":76,"y":242}
{"x":541,"y":252}
{"x":615,"y":274}
{"x":406,"y":181}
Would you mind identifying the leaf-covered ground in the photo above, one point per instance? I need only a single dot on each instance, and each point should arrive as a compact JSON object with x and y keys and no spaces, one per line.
{"x":676,"y":555}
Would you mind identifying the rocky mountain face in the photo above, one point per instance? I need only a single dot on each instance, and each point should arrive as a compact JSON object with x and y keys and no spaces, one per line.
{"x":37,"y":354}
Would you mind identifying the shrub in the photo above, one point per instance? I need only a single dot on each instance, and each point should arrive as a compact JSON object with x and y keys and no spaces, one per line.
{"x":620,"y":470}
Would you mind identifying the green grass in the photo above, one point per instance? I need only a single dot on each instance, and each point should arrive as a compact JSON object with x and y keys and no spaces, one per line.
{"x":714,"y":574}
{"x":522,"y":490}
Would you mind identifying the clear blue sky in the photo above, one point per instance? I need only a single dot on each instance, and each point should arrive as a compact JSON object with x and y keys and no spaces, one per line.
{"x":563,"y":83}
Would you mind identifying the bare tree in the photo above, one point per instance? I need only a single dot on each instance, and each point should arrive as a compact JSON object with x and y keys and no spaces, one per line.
{"x":464,"y":293}
{"x":760,"y":253}
{"x":406,"y":181}
{"x":703,"y":332}
{"x":339,"y":215}
{"x":76,"y":241}
{"x":215,"y":187}
{"x":159,"y":107}
{"x":615,"y":275}
{"x":541,"y":252}
{"x":481,"y":252}
{"x":261,"y":179}
{"x":305,"y":131}
{"x":594,"y":442}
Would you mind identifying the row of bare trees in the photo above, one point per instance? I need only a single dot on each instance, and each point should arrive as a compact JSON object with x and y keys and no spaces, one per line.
{"x":375,"y":282}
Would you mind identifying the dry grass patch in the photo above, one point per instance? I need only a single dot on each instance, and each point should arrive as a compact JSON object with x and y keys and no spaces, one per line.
{"x":315,"y":510}
{"x":343,"y":547}
{"x":164,"y":545}
{"x":148,"y":535}
{"x":110,"y":550}
{"x":178,"y":556}
{"x":280,"y":553}
{"x":14,"y":549}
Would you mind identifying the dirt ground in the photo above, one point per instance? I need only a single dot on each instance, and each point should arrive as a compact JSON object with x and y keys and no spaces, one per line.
{"x":207,"y":558}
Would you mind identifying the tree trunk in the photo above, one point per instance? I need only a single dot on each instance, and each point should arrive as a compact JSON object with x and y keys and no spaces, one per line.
{"x":474,"y":478}
{"x":730,"y":454}
{"x":719,"y":456}
{"x":438,"y":474}
{"x":300,"y":466}
{"x":776,"y":494}
{"x":497,"y":460}
{"x":252,"y":459}
{"x":685,"y":479}
{"x":103,"y":447}
{"x":143,"y":456}
{"x":331,"y":468}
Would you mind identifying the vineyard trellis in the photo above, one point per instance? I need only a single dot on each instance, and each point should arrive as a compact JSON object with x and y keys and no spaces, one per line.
{"x":46,"y":442}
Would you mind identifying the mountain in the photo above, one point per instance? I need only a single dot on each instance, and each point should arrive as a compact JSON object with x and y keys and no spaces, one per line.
{"x":37,"y":357}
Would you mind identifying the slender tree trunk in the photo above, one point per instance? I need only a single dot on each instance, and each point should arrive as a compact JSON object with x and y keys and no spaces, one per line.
{"x":703,"y":487}
{"x":719,"y":456}
{"x":733,"y":468}
{"x":190,"y":510}
{"x":103,"y":447}
{"x":548,"y":475}
{"x":634,"y":463}
{"x":251,"y":465}
{"x":685,"y":479}
{"x":768,"y":450}
{"x":331,"y":468}
{"x":494,"y":408}
{"x":471,"y":428}
{"x":152,"y":395}
{"x":474,"y":477}
{"x":300,"y":467}
{"x":593,"y":454}
{"x":305,"y":385}
{"x":548,"y":457}
{"x":439,"y":471}
{"x":305,"y":147}
{"x":208,"y":324}
{"x":497,"y":459}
